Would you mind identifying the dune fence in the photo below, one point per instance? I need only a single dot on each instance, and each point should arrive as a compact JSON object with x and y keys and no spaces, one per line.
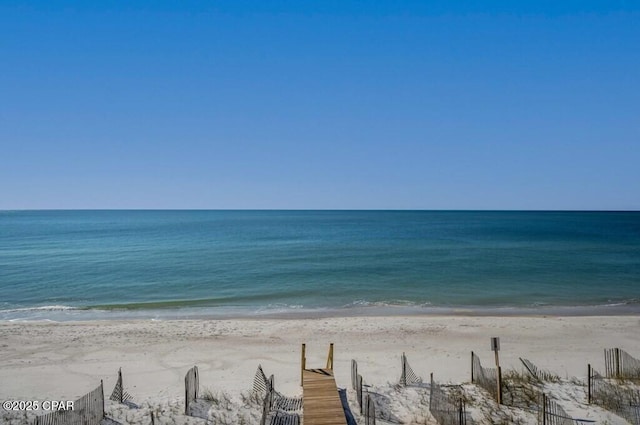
{"x":369,"y":411}
{"x":119,"y":394}
{"x":538,"y":374}
{"x":191,"y":388}
{"x":366,"y":403}
{"x":551,"y":413}
{"x":620,"y":365}
{"x":448,"y":407}
{"x":621,"y":400}
{"x":408,"y":376}
{"x":87,"y":410}
{"x":277,"y":409}
{"x":486,"y":377}
{"x":526,"y":391}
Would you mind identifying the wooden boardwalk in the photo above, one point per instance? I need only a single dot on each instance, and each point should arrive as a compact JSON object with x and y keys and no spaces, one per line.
{"x":321,"y":404}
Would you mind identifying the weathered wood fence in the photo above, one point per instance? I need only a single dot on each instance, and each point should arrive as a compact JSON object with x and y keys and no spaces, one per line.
{"x":267,"y":402}
{"x":366,"y":403}
{"x":369,"y":411}
{"x":260,"y":382}
{"x":277,"y":409}
{"x":531,"y":396}
{"x":622,"y":401}
{"x":119,"y":394}
{"x":486,"y":377}
{"x":446,"y":408}
{"x":620,"y":364}
{"x":551,"y":413}
{"x":191,"y":388}
{"x":539,"y":374}
{"x":87,"y":410}
{"x":408,"y":376}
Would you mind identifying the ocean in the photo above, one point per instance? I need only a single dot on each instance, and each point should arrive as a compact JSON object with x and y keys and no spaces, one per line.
{"x":84,"y":265}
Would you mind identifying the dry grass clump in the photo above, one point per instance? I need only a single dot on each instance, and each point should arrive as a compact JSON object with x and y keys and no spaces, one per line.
{"x":15,"y":418}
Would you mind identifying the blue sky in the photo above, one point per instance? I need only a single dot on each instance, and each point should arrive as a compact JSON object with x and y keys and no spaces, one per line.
{"x":334,"y":104}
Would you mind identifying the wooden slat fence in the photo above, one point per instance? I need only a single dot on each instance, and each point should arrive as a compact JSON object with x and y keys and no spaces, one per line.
{"x":267,"y":402}
{"x":278,"y":401}
{"x":539,"y":374}
{"x":277,"y":409}
{"x":366,"y":403}
{"x":87,"y":410}
{"x":191,"y":388}
{"x":551,"y":413}
{"x":260,"y":382}
{"x":622,"y":401}
{"x":369,"y":411}
{"x":620,"y":364}
{"x":408,"y":376}
{"x":272,"y":414}
{"x":119,"y":394}
{"x":530,"y":396}
{"x":486,"y":377}
{"x":446,"y":408}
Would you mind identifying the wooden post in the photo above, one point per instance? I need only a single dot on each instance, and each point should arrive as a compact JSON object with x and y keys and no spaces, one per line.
{"x":430,"y":389}
{"x":196,"y":393}
{"x":121,"y":385}
{"x":303,"y":362}
{"x":403,"y":377}
{"x":104,"y":415}
{"x":589,"y":383}
{"x":354,"y":373}
{"x":330,"y":357}
{"x":495,"y":347}
{"x":472,"y":367}
{"x":544,"y":409}
{"x":359,"y":392}
{"x":270,"y":393}
{"x":617,"y":360}
{"x":499,"y":385}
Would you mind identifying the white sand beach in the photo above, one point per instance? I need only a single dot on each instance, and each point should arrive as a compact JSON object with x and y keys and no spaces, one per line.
{"x":45,"y":360}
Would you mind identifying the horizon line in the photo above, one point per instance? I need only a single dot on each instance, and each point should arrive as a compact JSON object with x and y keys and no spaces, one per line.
{"x":321,"y":209}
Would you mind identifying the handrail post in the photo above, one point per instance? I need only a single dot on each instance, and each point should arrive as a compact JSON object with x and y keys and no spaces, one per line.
{"x":330,"y":357}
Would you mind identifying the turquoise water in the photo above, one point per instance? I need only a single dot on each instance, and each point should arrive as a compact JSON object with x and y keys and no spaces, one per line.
{"x":97,"y":264}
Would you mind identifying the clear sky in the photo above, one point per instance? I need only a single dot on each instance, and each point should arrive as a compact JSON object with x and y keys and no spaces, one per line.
{"x":327,"y":104}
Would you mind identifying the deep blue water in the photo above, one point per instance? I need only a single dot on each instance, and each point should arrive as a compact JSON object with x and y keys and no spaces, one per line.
{"x":146,"y":263}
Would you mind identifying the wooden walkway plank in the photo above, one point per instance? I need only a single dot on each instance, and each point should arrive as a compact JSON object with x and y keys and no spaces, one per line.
{"x":321,"y":404}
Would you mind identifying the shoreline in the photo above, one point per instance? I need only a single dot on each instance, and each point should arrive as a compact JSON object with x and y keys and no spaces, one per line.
{"x":62,"y":314}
